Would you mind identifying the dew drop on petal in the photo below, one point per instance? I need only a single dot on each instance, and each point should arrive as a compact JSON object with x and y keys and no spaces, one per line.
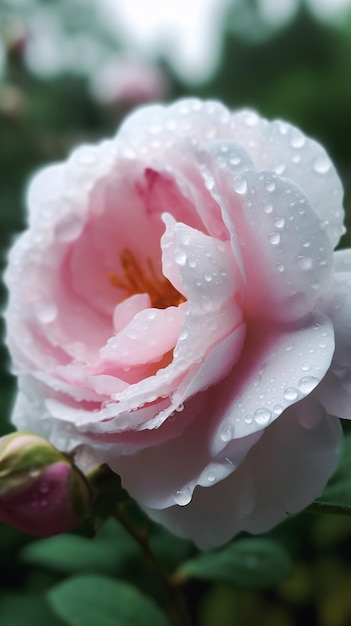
{"x":183,"y":334}
{"x":279,"y":222}
{"x":297,"y":140}
{"x":180,"y":256}
{"x":227,"y":432}
{"x":240,"y":185}
{"x":211,"y":477}
{"x":274,"y":238}
{"x":290,"y":393}
{"x":46,"y":312}
{"x":270,"y":185}
{"x":182,"y":497}
{"x":262,"y":416}
{"x":180,"y":407}
{"x":307,"y":384}
{"x":267,"y":207}
{"x":321,"y":164}
{"x":305,"y":262}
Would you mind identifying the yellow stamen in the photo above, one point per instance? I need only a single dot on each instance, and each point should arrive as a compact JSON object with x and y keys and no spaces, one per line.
{"x":134,"y":280}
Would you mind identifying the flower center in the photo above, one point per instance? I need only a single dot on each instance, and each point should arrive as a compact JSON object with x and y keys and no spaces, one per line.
{"x":135,"y":280}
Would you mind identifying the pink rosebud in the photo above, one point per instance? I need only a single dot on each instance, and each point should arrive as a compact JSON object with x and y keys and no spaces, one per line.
{"x":127,"y":82}
{"x":41,"y":491}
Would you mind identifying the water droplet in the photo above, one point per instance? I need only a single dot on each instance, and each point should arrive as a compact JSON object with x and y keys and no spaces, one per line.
{"x":298,"y":140}
{"x":279,"y":222}
{"x":183,"y":334}
{"x":192,"y":263}
{"x":267,"y":207}
{"x":274,"y":238}
{"x":46,"y":312}
{"x":321,"y":164}
{"x":280,"y":267}
{"x":305,"y":367}
{"x":307,"y":384}
{"x":211,"y":477}
{"x":207,"y":277}
{"x":290,"y":393}
{"x":315,"y":284}
{"x":248,"y":419}
{"x":227,"y":432}
{"x":270,"y":185}
{"x":283,"y":127}
{"x":180,"y":407}
{"x":305,"y":262}
{"x":183,"y":496}
{"x":240,"y":185}
{"x":306,"y":243}
{"x":180,"y":256}
{"x":262,"y":416}
{"x":235,"y":160}
{"x":278,"y":409}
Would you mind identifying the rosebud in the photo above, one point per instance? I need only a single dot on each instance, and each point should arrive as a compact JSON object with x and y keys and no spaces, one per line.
{"x":41,"y":491}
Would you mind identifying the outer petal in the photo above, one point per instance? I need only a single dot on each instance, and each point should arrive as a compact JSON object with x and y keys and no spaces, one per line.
{"x":286,"y":150}
{"x":172,"y":470}
{"x":285,"y":471}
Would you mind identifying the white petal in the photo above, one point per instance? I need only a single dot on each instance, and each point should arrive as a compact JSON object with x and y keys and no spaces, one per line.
{"x":286,"y":150}
{"x":283,"y":473}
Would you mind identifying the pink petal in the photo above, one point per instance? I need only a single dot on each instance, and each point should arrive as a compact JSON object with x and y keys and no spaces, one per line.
{"x":126,"y":310}
{"x":148,"y":336}
{"x":276,"y":369}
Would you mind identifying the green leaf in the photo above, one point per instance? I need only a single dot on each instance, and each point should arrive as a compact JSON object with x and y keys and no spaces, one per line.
{"x":92,"y":600}
{"x":336,"y":497}
{"x":106,"y":553}
{"x":17,"y":609}
{"x":250,"y":563}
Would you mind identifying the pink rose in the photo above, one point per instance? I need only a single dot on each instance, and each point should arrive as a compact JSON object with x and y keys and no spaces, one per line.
{"x":175,"y":306}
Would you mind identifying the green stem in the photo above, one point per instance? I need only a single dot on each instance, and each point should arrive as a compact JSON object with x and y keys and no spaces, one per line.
{"x":177,"y":610}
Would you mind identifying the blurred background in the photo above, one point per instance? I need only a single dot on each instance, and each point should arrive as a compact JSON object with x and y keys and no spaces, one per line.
{"x":70,"y":70}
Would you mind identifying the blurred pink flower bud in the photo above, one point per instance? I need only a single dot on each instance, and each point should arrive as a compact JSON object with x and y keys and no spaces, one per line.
{"x":128,"y":82}
{"x":41,"y":491}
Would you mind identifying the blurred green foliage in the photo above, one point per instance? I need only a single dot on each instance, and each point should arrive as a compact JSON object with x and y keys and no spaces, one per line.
{"x":300,"y":72}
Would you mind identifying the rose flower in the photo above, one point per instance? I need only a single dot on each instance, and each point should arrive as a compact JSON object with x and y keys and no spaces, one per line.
{"x":176,"y":308}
